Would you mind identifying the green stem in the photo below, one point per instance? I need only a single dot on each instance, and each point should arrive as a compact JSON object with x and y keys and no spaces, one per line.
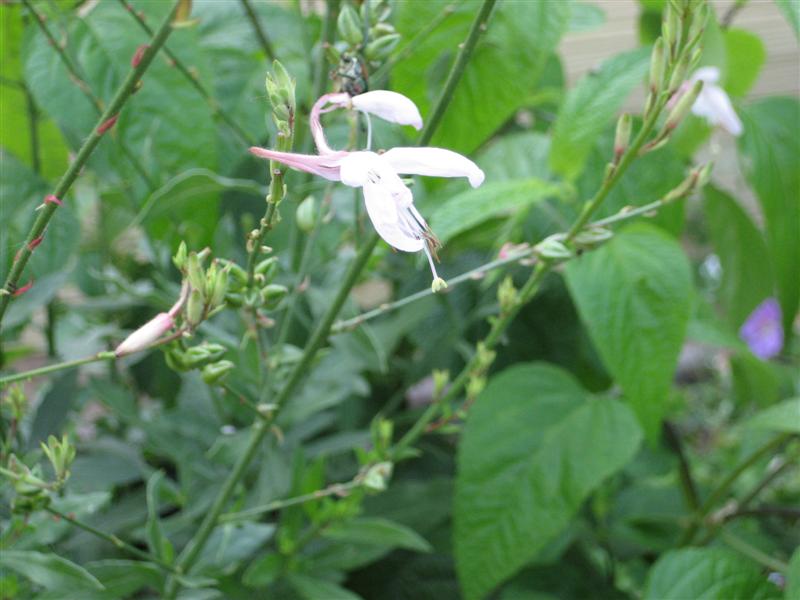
{"x":266,"y":45}
{"x":750,"y":551}
{"x":70,"y":364}
{"x":192,"y":78}
{"x":46,"y":213}
{"x":687,"y":482}
{"x":121,"y":544}
{"x":723,"y":488}
{"x":80,"y":81}
{"x":33,"y":127}
{"x":478,"y":27}
{"x":331,"y":490}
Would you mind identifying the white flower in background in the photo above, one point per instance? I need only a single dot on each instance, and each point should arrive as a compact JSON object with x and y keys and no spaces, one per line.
{"x":389,"y":202}
{"x":713,"y":104}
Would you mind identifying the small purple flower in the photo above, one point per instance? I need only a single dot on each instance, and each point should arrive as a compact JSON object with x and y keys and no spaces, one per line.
{"x":762,"y":331}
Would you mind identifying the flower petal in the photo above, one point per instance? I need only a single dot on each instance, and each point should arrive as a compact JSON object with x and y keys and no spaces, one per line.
{"x":326,"y":166}
{"x":715,"y":105}
{"x":389,"y":106}
{"x":706,"y":75}
{"x":436,"y":162}
{"x":385,"y":215}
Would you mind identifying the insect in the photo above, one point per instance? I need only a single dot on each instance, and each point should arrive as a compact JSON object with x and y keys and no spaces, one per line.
{"x":352,"y":75}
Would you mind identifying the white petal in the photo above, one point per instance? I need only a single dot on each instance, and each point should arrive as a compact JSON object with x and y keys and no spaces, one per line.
{"x":145,"y":335}
{"x":389,"y":106}
{"x":706,"y":75}
{"x":355,"y":167}
{"x":436,"y":162}
{"x":385,"y":215}
{"x":713,"y":104}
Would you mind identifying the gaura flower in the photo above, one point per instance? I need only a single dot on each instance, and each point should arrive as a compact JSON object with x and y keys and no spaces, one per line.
{"x":151,"y":331}
{"x":763,"y":331}
{"x":389,"y":202}
{"x":713,"y":104}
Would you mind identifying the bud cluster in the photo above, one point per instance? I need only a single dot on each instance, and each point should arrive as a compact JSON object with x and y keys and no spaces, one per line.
{"x":281,"y":92}
{"x":264,"y":293}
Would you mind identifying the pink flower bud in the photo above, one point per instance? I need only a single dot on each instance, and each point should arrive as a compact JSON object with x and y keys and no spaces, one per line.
{"x":146,"y":334}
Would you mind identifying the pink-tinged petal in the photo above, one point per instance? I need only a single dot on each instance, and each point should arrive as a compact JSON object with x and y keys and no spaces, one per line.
{"x":386,"y":217}
{"x":326,"y":165}
{"x":146,"y":334}
{"x":318,"y":134}
{"x":389,"y":106}
{"x":435,"y":162}
{"x":715,"y":106}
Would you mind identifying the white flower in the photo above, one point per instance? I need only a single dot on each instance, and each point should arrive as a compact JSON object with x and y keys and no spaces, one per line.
{"x":389,"y":202}
{"x":146,"y":334}
{"x":713,"y":103}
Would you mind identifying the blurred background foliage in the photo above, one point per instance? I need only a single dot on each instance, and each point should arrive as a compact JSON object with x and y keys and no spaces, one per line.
{"x":628,"y":443}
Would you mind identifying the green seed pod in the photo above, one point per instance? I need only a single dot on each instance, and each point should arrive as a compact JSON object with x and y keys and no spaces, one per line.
{"x":195,"y":272}
{"x":592,"y":236}
{"x":267,"y":267}
{"x":305,"y":214}
{"x":382,"y":47}
{"x":272,"y":294}
{"x":553,"y":248}
{"x":199,"y":356}
{"x":220,"y":288}
{"x":195,"y":308}
{"x":215,"y":372}
{"x":349,"y":25}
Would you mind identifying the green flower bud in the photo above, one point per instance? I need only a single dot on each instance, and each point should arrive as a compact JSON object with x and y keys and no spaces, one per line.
{"x":377,"y":476}
{"x":305,"y":214}
{"x":552,"y":248}
{"x":220,"y":288}
{"x":679,"y":74}
{"x":272,"y":294}
{"x":657,"y":65}
{"x":592,"y":236}
{"x":195,"y":308}
{"x":438,"y":285}
{"x":195,"y":273}
{"x":349,"y":25}
{"x":683,"y":106}
{"x":475,"y":386}
{"x":267,"y":267}
{"x":440,"y":381}
{"x":215,"y":372}
{"x":206,"y":353}
{"x":180,"y":256}
{"x":671,"y":28}
{"x":507,"y":295}
{"x":623,"y":136}
{"x":380,"y":30}
{"x":382,"y":47}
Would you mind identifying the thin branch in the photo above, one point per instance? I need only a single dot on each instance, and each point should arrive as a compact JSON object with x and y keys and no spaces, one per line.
{"x":743,"y":547}
{"x":266,"y":45}
{"x":97,"y":103}
{"x":112,"y":539}
{"x":106,"y":120}
{"x":193,"y":79}
{"x":688,"y":486}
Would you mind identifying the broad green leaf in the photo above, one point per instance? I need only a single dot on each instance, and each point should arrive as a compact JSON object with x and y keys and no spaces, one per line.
{"x":770,"y":151}
{"x":502,"y":73}
{"x":123,"y":578}
{"x":378,"y":532}
{"x":633,"y":295}
{"x":158,"y":543}
{"x":706,"y":574}
{"x":754,"y":380}
{"x":781,"y":417}
{"x":53,"y":409}
{"x":48,"y":570}
{"x":585,"y":17}
{"x":311,"y":588}
{"x":469,"y":209}
{"x":590,"y":107}
{"x":746,"y":272}
{"x":232,"y":543}
{"x":791,"y":10}
{"x":745,"y":55}
{"x":533,"y":449}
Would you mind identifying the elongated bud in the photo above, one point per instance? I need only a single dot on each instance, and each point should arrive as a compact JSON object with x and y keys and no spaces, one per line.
{"x":592,"y":236}
{"x":194,"y":309}
{"x":623,"y":136}
{"x":683,"y":106}
{"x":217,"y":371}
{"x":552,"y":248}
{"x":180,"y":257}
{"x":671,"y":28}
{"x":679,"y":74}
{"x":687,"y":186}
{"x":146,"y":335}
{"x":382,"y":47}
{"x":272,"y":294}
{"x":507,"y":295}
{"x":657,"y":65}
{"x":220,"y":289}
{"x":195,"y":272}
{"x":440,"y":381}
{"x":199,"y":356}
{"x":305,"y":214}
{"x":349,"y":25}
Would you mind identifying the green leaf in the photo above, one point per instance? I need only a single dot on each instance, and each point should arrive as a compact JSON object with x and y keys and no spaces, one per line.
{"x":746,"y":272}
{"x":591,"y":106}
{"x":793,"y":577}
{"x":770,"y":153}
{"x":781,"y":417}
{"x":311,"y":588}
{"x":48,"y":570}
{"x":502,"y":73}
{"x":633,"y":295}
{"x":378,"y":532}
{"x":745,"y":55}
{"x":233,"y":543}
{"x":706,"y":574}
{"x":490,"y":201}
{"x":123,"y":578}
{"x":158,"y":543}
{"x":534,"y":447}
{"x":585,"y":17}
{"x":791,"y":10}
